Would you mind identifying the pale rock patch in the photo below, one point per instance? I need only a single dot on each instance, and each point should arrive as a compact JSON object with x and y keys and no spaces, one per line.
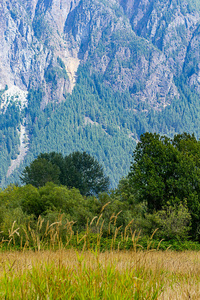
{"x":15,"y":95}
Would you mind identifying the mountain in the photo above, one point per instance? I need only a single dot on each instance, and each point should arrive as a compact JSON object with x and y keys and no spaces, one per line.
{"x":93,"y":75}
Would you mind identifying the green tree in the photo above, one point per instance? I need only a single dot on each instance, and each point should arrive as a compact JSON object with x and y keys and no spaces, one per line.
{"x":83,"y":172}
{"x":58,"y":160}
{"x":31,"y":202}
{"x":51,"y":197}
{"x":40,"y":172}
{"x":167,"y":171}
{"x":79,"y":170}
{"x":153,"y":169}
{"x":172,"y":221}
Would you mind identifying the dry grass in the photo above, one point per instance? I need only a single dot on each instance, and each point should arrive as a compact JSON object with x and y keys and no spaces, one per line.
{"x":68,"y":274}
{"x":91,"y":274}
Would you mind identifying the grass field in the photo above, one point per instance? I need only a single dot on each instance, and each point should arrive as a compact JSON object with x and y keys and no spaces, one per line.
{"x":49,"y":265}
{"x":68,"y":274}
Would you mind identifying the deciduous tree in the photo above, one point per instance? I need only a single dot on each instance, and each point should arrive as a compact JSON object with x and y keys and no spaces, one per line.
{"x":40,"y":172}
{"x":167,"y":170}
{"x":85,"y":173}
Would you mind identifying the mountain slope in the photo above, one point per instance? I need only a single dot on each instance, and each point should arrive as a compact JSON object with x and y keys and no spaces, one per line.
{"x":97,"y":74}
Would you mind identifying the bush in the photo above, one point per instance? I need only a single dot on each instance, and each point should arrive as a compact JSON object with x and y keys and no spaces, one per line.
{"x":173,"y":222}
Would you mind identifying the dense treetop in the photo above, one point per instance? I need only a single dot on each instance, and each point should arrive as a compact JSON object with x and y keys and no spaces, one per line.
{"x":167,"y":171}
{"x":79,"y":170}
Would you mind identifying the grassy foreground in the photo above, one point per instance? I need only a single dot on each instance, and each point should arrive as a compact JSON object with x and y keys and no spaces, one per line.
{"x":68,"y":274}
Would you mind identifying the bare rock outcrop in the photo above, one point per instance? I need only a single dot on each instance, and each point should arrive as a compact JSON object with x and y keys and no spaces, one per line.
{"x":38,"y":35}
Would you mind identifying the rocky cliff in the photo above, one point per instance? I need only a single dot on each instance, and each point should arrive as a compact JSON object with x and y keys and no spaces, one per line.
{"x":36,"y":36}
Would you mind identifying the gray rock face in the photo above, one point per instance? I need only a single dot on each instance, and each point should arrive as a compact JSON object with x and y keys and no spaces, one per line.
{"x":19,"y":48}
{"x":192,"y":61}
{"x":31,"y":41}
{"x":169,"y":25}
{"x":35,"y":33}
{"x":108,"y":42}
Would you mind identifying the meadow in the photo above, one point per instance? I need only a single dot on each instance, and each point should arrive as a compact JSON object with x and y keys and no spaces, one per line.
{"x":51,"y":261}
{"x":69,"y":274}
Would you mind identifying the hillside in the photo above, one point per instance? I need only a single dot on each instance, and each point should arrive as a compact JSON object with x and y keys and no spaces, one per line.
{"x":93,"y":75}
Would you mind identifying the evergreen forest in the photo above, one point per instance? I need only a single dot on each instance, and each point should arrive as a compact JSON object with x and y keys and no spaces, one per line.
{"x":95,"y":119}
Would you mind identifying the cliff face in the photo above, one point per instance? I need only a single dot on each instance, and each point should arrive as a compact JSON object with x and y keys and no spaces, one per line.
{"x":141,"y":48}
{"x":172,"y":26}
{"x":34,"y":34}
{"x":32,"y":47}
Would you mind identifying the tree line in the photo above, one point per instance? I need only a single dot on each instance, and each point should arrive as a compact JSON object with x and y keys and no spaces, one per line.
{"x":78,"y":170}
{"x":161,"y":190}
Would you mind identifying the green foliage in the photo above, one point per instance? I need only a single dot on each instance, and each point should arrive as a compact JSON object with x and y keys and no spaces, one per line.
{"x":58,"y":160}
{"x":181,"y":115}
{"x":173,"y":222}
{"x":54,"y":73}
{"x":33,"y":109}
{"x":152,"y":168}
{"x":40,"y":27}
{"x":110,"y":220}
{"x":9,"y":137}
{"x":84,"y":173}
{"x":49,"y":199}
{"x":40,"y":172}
{"x":60,"y":62}
{"x":167,"y":171}
{"x":83,"y":122}
{"x":31,"y":201}
{"x":12,"y":220}
{"x":96,"y":118}
{"x":79,"y":170}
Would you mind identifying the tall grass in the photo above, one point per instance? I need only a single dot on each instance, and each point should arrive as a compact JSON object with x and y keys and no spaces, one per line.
{"x":61,"y":234}
{"x":54,"y":261}
{"x":68,"y":274}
